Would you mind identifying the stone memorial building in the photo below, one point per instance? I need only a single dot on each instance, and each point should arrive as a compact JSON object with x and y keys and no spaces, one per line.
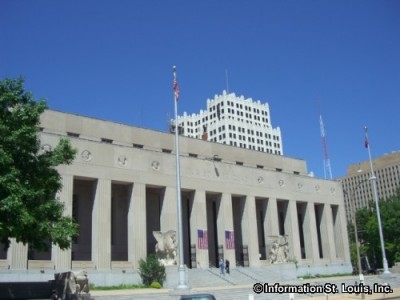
{"x":251,"y":207}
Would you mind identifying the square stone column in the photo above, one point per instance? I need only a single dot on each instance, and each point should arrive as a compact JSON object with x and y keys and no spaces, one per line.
{"x":308,"y":237}
{"x":326,"y":234}
{"x":294,"y":234}
{"x":250,"y":231}
{"x":18,"y":255}
{"x":169,"y":211}
{"x":62,"y":258}
{"x":226,"y":206}
{"x":331,"y":233}
{"x":101,"y":226}
{"x":271,"y":224}
{"x":312,"y":232}
{"x":137,"y":244}
{"x":198,"y":220}
{"x":344,"y":235}
{"x":272,"y":218}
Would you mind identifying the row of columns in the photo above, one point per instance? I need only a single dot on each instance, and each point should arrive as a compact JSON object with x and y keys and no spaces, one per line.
{"x":137,"y":233}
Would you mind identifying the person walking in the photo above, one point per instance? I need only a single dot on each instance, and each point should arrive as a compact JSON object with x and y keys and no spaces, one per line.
{"x":222,"y":266}
{"x":227,"y":263}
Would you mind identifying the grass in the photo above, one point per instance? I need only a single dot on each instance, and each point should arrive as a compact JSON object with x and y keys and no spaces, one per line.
{"x":92,"y":287}
{"x":309,"y":276}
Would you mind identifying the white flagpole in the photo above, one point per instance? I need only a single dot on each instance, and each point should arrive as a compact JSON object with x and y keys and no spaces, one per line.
{"x":375,"y":190}
{"x":182,"y":284}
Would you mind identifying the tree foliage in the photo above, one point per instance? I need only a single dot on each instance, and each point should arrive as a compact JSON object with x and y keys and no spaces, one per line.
{"x":29,"y":180}
{"x":369,"y":230}
{"x":151,"y":270}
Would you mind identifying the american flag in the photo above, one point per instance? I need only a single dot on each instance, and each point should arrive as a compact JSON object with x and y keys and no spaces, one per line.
{"x":366,"y":142}
{"x":229,"y":239}
{"x":176,"y":89}
{"x":202,"y":239}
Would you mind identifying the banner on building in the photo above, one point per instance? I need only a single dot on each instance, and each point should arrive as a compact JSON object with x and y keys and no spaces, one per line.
{"x":202,"y":239}
{"x":229,"y":240}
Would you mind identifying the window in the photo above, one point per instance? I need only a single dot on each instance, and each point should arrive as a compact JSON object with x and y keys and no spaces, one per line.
{"x":107,"y":141}
{"x":73,"y":134}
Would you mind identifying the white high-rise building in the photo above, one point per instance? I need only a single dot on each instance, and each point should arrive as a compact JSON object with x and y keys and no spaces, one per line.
{"x":234,"y":121}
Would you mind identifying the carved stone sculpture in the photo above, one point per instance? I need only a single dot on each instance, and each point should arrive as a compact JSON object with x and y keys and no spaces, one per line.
{"x":279,"y":252}
{"x":166,"y":247}
{"x":71,"y":285}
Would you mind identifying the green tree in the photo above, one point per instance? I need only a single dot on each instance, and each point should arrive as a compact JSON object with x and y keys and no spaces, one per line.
{"x":369,"y":230}
{"x":29,"y":180}
{"x":151,"y":270}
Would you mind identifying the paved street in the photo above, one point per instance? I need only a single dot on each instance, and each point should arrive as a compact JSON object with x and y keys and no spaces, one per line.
{"x":243,"y":292}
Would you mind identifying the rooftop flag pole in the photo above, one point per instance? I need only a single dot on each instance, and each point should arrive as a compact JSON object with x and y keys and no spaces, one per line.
{"x":375,"y":190}
{"x":182,"y":284}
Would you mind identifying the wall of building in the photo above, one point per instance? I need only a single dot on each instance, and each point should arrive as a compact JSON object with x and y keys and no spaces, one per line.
{"x":120,"y":193}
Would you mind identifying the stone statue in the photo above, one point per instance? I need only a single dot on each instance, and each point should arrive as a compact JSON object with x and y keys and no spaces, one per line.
{"x":82,"y":282}
{"x":72,"y":284}
{"x":166,"y":247}
{"x":279,"y":252}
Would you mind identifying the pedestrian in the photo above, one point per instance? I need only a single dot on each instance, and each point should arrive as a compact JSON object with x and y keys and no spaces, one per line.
{"x":222,"y":266}
{"x":227,"y":266}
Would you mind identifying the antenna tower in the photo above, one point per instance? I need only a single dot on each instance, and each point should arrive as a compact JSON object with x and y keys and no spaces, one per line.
{"x":327,"y":162}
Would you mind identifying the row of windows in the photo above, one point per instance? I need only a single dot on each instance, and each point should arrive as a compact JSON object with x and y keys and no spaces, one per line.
{"x":246,"y":108}
{"x":253,"y":147}
{"x":360,"y":189}
{"x":218,"y":110}
{"x":251,"y":142}
{"x":213,"y":134}
{"x":213,"y":118}
{"x":251,"y":132}
{"x":384,"y":176}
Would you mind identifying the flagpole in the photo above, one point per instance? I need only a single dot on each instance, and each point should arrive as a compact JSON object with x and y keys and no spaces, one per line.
{"x":375,"y":190}
{"x":182,"y":284}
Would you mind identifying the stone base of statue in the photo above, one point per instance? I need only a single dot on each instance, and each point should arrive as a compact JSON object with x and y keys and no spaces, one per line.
{"x":71,"y":286}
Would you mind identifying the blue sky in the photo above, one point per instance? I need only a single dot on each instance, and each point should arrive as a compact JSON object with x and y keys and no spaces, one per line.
{"x":113,"y":60}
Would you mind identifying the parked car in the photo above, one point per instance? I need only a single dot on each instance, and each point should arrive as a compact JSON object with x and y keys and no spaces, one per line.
{"x":198,"y":297}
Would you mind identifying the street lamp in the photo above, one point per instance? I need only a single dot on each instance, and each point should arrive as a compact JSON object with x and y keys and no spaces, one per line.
{"x":378,"y":214}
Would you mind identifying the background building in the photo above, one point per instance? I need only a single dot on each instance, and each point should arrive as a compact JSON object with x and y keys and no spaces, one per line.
{"x":357,"y":184}
{"x":234,"y":121}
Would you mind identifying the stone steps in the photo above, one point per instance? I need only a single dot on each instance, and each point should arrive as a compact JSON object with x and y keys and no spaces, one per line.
{"x":210,"y":277}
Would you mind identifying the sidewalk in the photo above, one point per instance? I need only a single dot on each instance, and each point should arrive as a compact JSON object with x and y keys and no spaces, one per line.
{"x":163,"y":293}
{"x":246,"y":291}
{"x":394,"y":295}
